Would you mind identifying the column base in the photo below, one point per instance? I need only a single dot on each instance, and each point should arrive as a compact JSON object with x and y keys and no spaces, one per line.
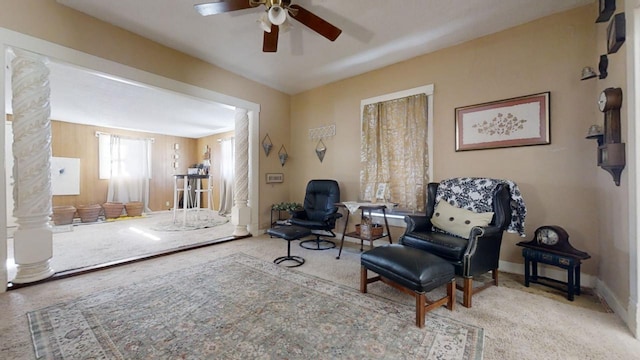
{"x":240,"y":217}
{"x":27,"y":273}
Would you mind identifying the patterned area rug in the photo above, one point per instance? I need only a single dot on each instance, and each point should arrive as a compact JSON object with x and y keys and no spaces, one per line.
{"x":240,"y":307}
{"x":191,"y":220}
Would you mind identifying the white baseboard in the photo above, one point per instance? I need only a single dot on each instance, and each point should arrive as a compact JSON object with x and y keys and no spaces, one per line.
{"x":633,"y":318}
{"x":603,"y":290}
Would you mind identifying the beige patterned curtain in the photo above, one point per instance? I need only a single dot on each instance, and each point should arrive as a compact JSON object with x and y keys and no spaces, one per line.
{"x":393,"y":150}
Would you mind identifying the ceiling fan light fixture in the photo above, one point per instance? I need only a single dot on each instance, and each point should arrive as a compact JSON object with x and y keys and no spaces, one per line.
{"x":286,"y":26}
{"x":264,"y":22}
{"x":277,"y":15}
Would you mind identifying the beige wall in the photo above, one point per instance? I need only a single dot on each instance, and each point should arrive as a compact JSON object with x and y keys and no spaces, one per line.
{"x":560,"y":182}
{"x":613,"y":201}
{"x":48,"y":20}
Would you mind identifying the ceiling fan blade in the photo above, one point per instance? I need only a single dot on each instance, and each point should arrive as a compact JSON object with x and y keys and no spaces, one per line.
{"x":270,"y":41}
{"x":314,"y":22}
{"x":222,"y":6}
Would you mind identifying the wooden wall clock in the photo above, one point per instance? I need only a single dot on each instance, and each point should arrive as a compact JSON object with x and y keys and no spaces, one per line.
{"x":611,"y":151}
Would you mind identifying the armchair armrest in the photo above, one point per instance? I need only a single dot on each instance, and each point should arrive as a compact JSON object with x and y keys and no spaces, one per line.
{"x":334,"y":216}
{"x":417,"y":223}
{"x":483,"y":251}
{"x":484,"y":232}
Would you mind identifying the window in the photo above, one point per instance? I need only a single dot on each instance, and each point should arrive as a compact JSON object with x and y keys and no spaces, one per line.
{"x":396,"y":147}
{"x":123,"y":157}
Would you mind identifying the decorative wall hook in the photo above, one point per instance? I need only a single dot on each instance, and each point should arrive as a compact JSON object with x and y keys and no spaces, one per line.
{"x":282,"y":154}
{"x":321,"y":149}
{"x":267,"y":144}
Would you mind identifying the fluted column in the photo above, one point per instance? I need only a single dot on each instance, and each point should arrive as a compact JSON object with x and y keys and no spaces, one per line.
{"x":241,"y":214}
{"x":33,"y":247}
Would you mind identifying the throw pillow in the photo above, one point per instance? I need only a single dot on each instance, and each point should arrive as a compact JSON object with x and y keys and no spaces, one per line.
{"x":458,"y":221}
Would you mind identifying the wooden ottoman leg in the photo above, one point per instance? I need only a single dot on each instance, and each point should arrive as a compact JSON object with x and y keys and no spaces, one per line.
{"x":451,"y":294}
{"x":363,"y":279}
{"x":467,"y":292}
{"x":421,"y":310}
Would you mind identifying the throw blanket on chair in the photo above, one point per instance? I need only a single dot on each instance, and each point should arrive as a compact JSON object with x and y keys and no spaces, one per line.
{"x":475,"y":194}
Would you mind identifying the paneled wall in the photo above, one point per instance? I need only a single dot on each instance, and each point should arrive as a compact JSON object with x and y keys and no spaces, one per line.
{"x":213,"y":142}
{"x":80,"y":141}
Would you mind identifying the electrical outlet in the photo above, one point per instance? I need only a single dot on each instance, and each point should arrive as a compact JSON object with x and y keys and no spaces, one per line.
{"x":166,"y":204}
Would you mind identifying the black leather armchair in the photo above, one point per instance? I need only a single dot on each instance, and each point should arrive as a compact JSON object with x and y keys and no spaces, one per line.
{"x":471,"y":257}
{"x":319,"y":213}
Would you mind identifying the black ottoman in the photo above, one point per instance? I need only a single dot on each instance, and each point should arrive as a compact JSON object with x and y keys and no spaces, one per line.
{"x":412,"y":271}
{"x":289,"y":233}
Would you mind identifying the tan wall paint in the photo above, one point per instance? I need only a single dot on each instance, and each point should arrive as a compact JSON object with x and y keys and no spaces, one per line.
{"x":48,"y":20}
{"x":613,"y":201}
{"x":558,"y":181}
{"x":79,"y":141}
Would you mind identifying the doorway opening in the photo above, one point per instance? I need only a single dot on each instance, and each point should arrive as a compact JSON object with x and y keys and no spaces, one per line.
{"x":124,"y":74}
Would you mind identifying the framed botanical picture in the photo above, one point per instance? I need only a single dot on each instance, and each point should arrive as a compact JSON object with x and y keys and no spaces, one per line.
{"x":505,"y":123}
{"x":275,"y":178}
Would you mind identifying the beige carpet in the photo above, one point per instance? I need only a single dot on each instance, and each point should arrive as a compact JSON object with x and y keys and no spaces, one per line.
{"x":86,"y":244}
{"x":517,"y":324}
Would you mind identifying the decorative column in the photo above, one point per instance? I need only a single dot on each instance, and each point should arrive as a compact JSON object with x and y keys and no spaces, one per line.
{"x":241,"y":214}
{"x":33,"y":240}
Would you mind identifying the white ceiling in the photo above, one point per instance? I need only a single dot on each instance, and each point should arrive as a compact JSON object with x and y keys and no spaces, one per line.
{"x":375,"y":33}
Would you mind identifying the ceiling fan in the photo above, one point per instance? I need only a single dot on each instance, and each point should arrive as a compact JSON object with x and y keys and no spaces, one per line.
{"x":276,"y":15}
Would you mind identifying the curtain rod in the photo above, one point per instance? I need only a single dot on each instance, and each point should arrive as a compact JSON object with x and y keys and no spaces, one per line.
{"x":98,"y":133}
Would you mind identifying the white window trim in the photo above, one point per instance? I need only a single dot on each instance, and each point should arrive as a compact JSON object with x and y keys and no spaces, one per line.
{"x":397,"y":220}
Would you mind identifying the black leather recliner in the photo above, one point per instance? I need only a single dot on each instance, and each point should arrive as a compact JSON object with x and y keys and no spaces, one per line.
{"x":319,"y":213}
{"x":471,"y":257}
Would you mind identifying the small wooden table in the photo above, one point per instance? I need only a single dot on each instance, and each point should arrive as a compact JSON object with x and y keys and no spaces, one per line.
{"x":362,"y":206}
{"x":569,"y":262}
{"x":550,"y":245}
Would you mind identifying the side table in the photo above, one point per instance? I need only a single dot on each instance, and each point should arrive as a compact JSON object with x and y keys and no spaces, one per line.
{"x":276,"y":220}
{"x":550,"y":245}
{"x":572,"y":264}
{"x":353,"y":206}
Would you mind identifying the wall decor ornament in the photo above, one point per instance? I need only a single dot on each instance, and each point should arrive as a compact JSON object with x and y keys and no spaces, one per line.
{"x":605,"y":10}
{"x":512,"y":122}
{"x":322,"y":132}
{"x":275,"y":178}
{"x":267,"y":145}
{"x":615,"y":33}
{"x":603,"y":65}
{"x":321,"y":149}
{"x":282,"y":155}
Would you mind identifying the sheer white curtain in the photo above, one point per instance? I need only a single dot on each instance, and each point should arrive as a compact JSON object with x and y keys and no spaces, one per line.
{"x":227,"y":165}
{"x":129,"y":169}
